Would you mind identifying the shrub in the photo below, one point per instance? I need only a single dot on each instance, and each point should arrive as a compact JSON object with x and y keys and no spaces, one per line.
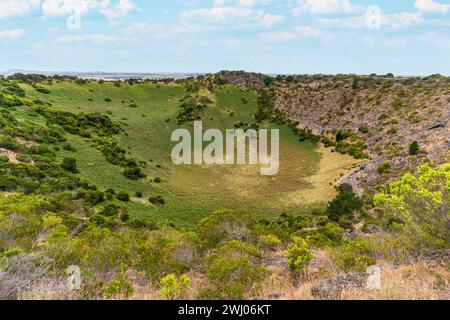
{"x":298,"y":256}
{"x":234,"y":272}
{"x":363,"y":129}
{"x":139,"y":194}
{"x":342,"y":135}
{"x":173,"y":288}
{"x":384,"y":168}
{"x":157,"y":200}
{"x":355,"y":255}
{"x":68,"y":147}
{"x":223,"y":225}
{"x":42,"y":90}
{"x":414,"y":148}
{"x":133,"y":173}
{"x":269,"y":241}
{"x":422,"y":203}
{"x":123,"y":196}
{"x":110,"y":210}
{"x":120,"y":288}
{"x":344,"y":206}
{"x":69,"y":164}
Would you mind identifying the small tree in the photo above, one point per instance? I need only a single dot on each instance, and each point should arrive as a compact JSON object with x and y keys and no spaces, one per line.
{"x":69,"y":164}
{"x":342,"y":208}
{"x":422,"y":203}
{"x":298,"y":257}
{"x":173,"y":288}
{"x":414,"y":148}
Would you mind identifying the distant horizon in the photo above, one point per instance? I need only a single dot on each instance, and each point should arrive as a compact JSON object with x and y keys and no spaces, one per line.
{"x":168,"y":73}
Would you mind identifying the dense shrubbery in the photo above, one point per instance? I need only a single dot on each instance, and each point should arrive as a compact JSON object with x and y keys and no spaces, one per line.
{"x":343,"y":208}
{"x":422,"y":204}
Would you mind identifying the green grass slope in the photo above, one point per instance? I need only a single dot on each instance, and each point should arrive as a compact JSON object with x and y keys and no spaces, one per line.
{"x":148,"y":114}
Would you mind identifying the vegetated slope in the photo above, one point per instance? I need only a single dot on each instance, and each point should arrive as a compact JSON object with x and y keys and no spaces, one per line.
{"x":396,"y":123}
{"x":146,"y":113}
{"x":57,"y":207}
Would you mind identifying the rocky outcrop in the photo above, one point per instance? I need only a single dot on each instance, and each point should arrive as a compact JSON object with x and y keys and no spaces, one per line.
{"x":332,"y":289}
{"x":383,"y":113}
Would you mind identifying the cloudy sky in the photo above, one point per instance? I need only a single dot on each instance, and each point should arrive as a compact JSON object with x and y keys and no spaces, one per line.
{"x":405,"y":37}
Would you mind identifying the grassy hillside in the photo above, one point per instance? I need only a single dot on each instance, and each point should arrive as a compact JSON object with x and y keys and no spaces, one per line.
{"x":148,"y":114}
{"x":86,"y":180}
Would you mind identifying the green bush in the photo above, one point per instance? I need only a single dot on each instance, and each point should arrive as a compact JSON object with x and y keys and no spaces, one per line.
{"x":354,"y":256}
{"x":234,"y":272}
{"x":119,"y":288}
{"x":269,"y":241}
{"x":298,"y":256}
{"x":69,"y":164}
{"x":173,"y":288}
{"x":224,"y":225}
{"x":414,"y":148}
{"x":422,"y":203}
{"x":123,"y":196}
{"x":345,"y":205}
{"x":157,"y":200}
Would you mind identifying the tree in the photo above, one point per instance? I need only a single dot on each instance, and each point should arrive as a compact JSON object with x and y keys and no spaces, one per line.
{"x":343,"y":207}
{"x":414,"y":148}
{"x":298,"y":256}
{"x":69,"y":164}
{"x":422,"y":203}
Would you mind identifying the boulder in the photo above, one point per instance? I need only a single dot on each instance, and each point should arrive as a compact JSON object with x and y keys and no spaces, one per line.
{"x":331,"y":289}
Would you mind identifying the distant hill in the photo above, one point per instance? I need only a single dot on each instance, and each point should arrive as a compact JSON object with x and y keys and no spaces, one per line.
{"x":106,"y":75}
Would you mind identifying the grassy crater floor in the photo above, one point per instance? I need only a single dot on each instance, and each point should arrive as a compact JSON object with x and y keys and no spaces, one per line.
{"x":148,"y":114}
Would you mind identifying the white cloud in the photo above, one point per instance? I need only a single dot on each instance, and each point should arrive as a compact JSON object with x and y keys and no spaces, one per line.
{"x":390,"y":21}
{"x":431,"y":6}
{"x":291,"y":35}
{"x":232,"y":14}
{"x":12,"y":34}
{"x":121,"y":9}
{"x":96,"y":38}
{"x":111,"y":10}
{"x":241,"y":3}
{"x":13,"y":8}
{"x":67,"y":7}
{"x":326,"y":7}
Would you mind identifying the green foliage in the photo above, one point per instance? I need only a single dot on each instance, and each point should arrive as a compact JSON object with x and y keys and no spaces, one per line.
{"x":414,"y":148}
{"x":354,"y":256}
{"x":69,"y":164}
{"x":224,"y":225}
{"x":119,"y":288}
{"x":342,"y":208}
{"x":41,"y":89}
{"x":384,"y":168}
{"x":234,"y":271}
{"x":173,"y":288}
{"x":269,"y":241}
{"x":363,"y":129}
{"x":422,"y":203}
{"x":123,"y":196}
{"x":298,"y":256}
{"x":157,"y":200}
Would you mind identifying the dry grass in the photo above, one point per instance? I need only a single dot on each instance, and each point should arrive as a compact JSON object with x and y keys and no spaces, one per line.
{"x":417,"y":281}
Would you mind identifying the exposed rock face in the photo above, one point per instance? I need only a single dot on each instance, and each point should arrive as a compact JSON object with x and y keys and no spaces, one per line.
{"x":332,"y":289}
{"x":394,"y":112}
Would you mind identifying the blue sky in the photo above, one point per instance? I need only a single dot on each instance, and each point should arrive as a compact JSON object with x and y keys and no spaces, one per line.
{"x":407,"y":37}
